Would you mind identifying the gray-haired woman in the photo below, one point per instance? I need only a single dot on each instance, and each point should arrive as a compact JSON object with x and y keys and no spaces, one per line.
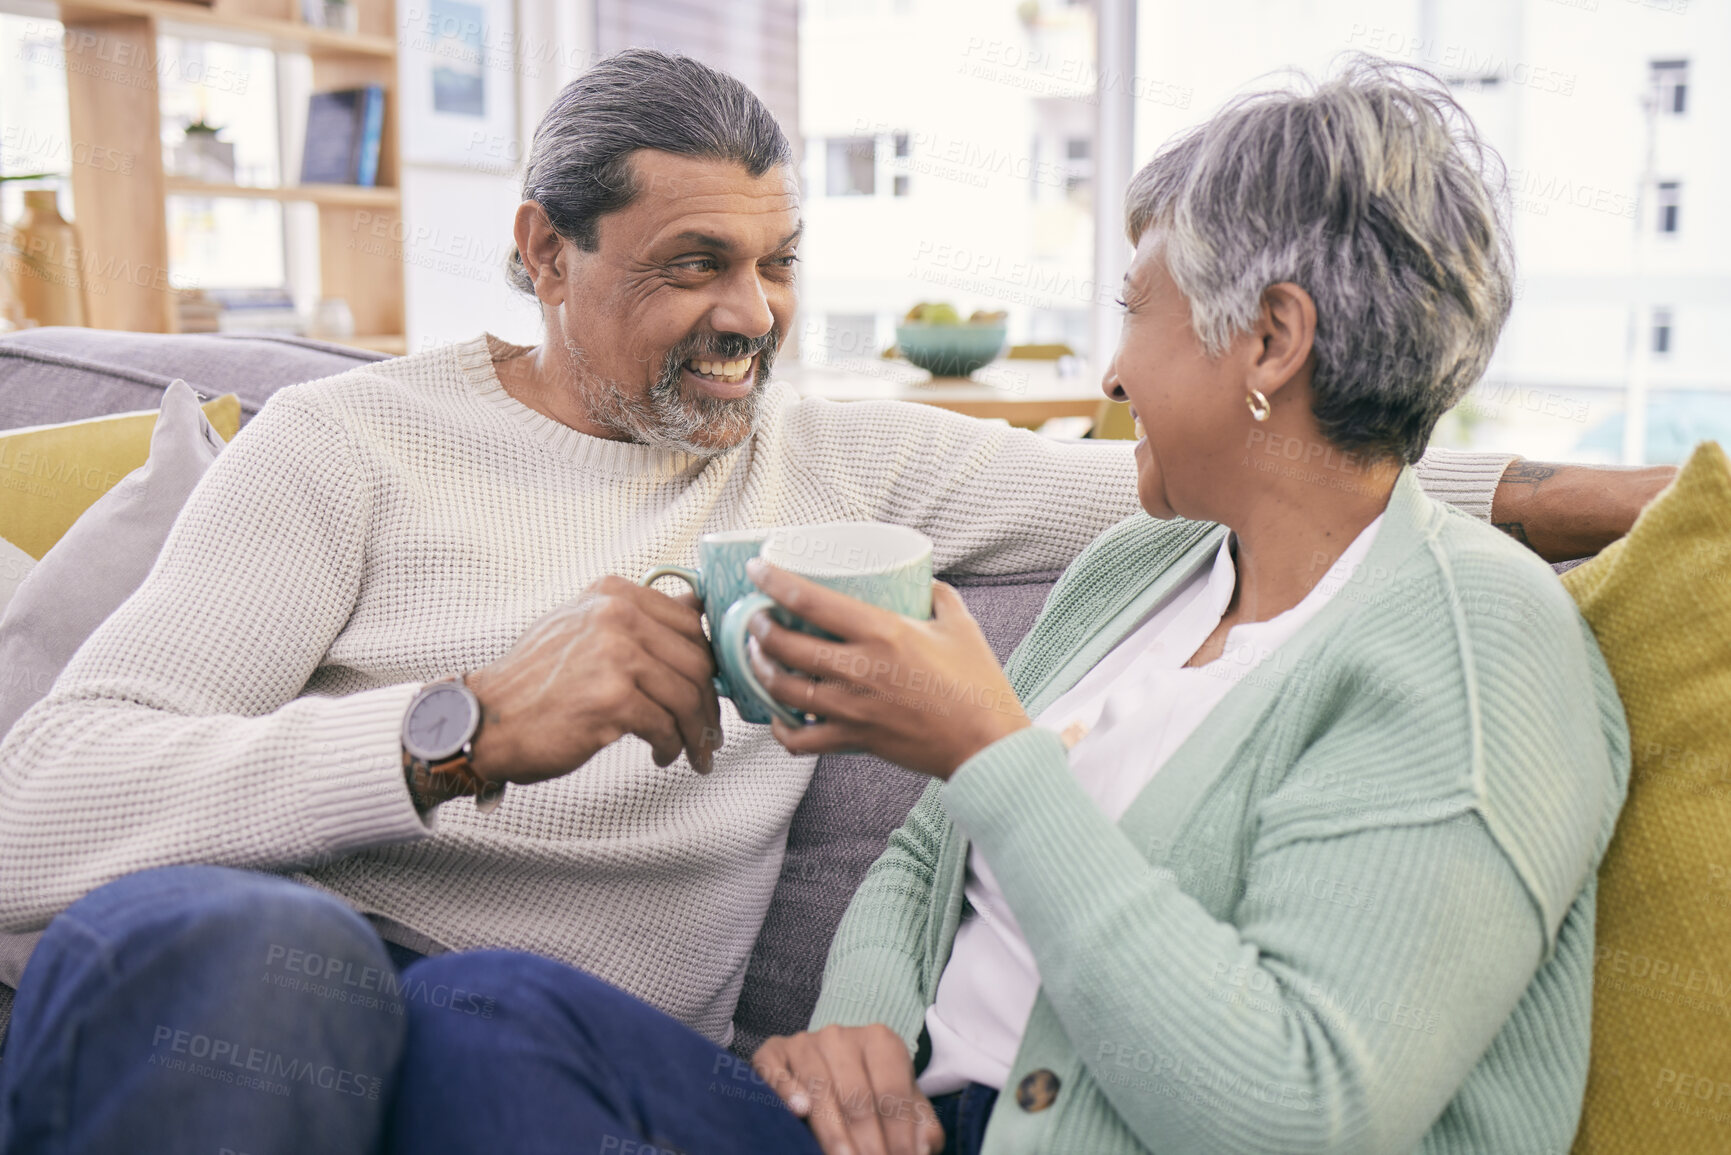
{"x":1290,"y":842}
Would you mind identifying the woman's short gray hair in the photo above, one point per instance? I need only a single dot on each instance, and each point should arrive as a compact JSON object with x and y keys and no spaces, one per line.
{"x":1373,"y":192}
{"x":579,"y":164}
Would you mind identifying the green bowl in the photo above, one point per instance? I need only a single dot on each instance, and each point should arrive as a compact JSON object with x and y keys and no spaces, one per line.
{"x":950,"y":350}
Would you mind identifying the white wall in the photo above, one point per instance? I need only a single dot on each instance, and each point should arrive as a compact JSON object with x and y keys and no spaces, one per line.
{"x":457,"y":218}
{"x":458,"y":231}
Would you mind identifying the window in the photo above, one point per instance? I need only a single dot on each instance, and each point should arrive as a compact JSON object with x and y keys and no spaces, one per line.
{"x":962,"y":196}
{"x":1584,"y":344}
{"x":851,"y":170}
{"x":843,"y":337}
{"x":33,"y":96}
{"x":1079,"y":167}
{"x":1669,"y":201}
{"x":1671,"y":86}
{"x":223,"y":242}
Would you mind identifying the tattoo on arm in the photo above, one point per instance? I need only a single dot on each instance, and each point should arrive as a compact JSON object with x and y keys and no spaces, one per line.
{"x":1515,"y":530}
{"x":1527,"y":473}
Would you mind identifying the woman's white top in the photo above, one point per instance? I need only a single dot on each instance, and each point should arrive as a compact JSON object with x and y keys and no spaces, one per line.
{"x":1122,"y":721}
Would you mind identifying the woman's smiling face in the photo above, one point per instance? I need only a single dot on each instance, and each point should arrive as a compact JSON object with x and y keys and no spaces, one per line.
{"x":1189,"y":407}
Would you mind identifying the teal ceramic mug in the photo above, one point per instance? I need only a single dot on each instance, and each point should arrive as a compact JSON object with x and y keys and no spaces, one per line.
{"x":719,"y":581}
{"x":886,"y":565}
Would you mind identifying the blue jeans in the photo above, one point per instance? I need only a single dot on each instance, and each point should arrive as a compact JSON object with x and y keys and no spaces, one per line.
{"x":964,"y":1115}
{"x":197,"y":1008}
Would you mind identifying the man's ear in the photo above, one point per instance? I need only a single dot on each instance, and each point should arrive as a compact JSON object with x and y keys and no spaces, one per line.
{"x":543,"y":252}
{"x":1285,"y":336}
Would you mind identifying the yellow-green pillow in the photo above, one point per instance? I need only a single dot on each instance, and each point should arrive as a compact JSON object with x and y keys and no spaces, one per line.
{"x":50,"y":474}
{"x":1659,"y":602}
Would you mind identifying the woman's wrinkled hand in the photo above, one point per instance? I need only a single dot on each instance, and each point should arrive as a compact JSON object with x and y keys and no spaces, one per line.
{"x":855,"y":1087}
{"x":924,"y":695}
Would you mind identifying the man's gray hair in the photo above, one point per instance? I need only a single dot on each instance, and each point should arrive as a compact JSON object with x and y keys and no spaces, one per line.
{"x":579,"y":168}
{"x":1373,"y":192}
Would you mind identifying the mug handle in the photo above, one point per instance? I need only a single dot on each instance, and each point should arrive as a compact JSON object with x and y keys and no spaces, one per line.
{"x":730,"y":640}
{"x":689,"y":576}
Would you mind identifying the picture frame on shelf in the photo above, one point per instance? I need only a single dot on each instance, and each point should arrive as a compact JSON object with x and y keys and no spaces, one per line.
{"x":456,"y":79}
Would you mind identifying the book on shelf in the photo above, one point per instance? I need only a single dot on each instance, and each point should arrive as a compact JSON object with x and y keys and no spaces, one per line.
{"x":237,"y":311}
{"x":345,"y":134}
{"x":196,"y":312}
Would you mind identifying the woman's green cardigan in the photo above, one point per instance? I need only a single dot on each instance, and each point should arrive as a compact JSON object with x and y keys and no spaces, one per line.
{"x":1353,"y":912}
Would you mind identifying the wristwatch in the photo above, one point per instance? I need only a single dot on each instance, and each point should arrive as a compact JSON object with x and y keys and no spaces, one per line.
{"x":439,"y":731}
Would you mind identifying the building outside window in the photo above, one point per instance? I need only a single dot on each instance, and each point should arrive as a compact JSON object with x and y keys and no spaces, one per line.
{"x":1661,"y":332}
{"x":1670,"y":200}
{"x":851,"y":167}
{"x":1671,"y":83}
{"x":1604,"y":113}
{"x":979,"y":185}
{"x":1079,"y":161}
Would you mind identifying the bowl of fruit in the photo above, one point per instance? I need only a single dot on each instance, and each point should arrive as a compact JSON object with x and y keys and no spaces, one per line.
{"x":938,"y":340}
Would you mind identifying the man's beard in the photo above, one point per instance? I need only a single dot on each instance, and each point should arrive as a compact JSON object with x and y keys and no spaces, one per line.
{"x":665,"y":417}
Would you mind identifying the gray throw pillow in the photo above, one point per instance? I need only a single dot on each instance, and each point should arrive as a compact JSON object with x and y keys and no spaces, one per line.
{"x":103,"y":557}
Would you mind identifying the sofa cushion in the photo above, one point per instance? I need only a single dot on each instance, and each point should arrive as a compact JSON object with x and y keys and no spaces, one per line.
{"x":1659,"y":602}
{"x":66,"y":374}
{"x":855,"y":802}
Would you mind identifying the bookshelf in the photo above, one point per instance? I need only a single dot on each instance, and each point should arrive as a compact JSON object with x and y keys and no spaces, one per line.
{"x":112,"y":98}
{"x":338,"y":195}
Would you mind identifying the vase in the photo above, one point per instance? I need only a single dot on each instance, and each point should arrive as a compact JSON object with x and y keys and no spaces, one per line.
{"x":332,"y":320}
{"x":44,"y":261}
{"x":11,"y":308}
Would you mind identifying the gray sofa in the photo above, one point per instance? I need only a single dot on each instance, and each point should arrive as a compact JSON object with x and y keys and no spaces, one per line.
{"x":61,"y":374}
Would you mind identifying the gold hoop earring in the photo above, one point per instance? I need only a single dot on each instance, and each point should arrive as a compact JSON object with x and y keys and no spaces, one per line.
{"x":1259,"y":406}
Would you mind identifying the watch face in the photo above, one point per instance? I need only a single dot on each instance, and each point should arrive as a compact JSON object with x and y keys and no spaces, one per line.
{"x":440,"y":723}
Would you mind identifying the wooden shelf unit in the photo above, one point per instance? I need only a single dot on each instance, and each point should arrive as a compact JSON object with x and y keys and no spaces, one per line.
{"x":395,"y":343}
{"x":260,"y":24}
{"x":113,"y":104}
{"x":353,"y":196}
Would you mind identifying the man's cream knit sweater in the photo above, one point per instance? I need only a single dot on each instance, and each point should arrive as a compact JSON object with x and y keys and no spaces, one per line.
{"x":398,"y":523}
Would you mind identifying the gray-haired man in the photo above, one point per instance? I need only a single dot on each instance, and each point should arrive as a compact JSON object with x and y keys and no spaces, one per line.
{"x":465,"y":511}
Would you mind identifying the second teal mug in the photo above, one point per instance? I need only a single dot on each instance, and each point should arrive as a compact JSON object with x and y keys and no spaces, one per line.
{"x":886,"y":565}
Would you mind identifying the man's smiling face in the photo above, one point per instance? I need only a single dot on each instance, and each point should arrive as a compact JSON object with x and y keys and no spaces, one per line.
{"x":671,"y":324}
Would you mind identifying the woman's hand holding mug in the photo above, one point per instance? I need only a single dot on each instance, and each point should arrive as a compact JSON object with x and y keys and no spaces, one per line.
{"x":927,"y":695}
